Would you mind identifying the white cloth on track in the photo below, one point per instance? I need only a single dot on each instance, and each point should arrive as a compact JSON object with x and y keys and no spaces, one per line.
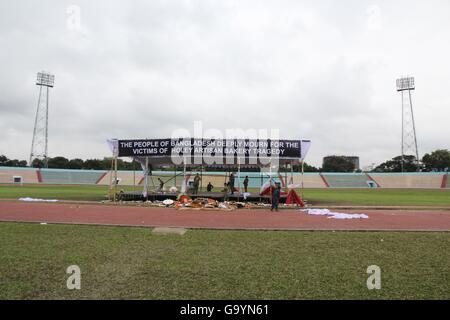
{"x":37,"y":200}
{"x":335,"y":215}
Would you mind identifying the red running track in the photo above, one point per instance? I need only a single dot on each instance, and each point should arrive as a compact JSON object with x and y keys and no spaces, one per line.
{"x":394,"y":220}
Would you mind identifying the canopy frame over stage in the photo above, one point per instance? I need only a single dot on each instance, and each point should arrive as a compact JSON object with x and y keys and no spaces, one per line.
{"x":198,"y":153}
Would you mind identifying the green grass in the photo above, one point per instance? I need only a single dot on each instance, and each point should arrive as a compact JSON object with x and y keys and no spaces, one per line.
{"x":60,"y":192}
{"x":133,"y":263}
{"x":379,"y":197}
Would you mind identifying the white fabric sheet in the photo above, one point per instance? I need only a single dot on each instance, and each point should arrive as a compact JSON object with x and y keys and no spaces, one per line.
{"x":37,"y":200}
{"x":335,"y":215}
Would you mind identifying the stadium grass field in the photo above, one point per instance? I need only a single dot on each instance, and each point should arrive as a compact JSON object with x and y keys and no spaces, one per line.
{"x":133,"y":263}
{"x":362,"y":197}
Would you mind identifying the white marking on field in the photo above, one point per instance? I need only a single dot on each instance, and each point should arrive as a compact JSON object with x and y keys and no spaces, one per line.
{"x":163,"y":231}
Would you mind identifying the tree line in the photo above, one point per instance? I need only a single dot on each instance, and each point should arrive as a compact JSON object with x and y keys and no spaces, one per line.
{"x":64,"y":163}
{"x":438,"y":160}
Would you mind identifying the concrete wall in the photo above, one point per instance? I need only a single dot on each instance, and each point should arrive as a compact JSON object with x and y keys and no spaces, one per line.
{"x":29,"y":175}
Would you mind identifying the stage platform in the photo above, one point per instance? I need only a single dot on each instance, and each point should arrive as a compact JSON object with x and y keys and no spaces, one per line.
{"x":219,"y":196}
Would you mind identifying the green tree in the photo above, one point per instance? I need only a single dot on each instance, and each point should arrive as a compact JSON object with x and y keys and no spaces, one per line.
{"x":94,"y":164}
{"x":306,"y":168}
{"x":395,"y":165}
{"x":22,"y":163}
{"x":37,"y":163}
{"x":337,"y":164}
{"x":75,"y":164}
{"x":3,"y":160}
{"x":12,"y":163}
{"x":125,"y":165}
{"x":121,"y":164}
{"x":58,"y":163}
{"x":438,"y":160}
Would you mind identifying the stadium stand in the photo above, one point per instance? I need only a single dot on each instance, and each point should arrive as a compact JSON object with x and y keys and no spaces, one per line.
{"x":28,"y":175}
{"x":126,"y":178}
{"x":409,"y":180}
{"x":348,"y":180}
{"x":63,"y":176}
{"x":310,"y":180}
{"x":425,"y":180}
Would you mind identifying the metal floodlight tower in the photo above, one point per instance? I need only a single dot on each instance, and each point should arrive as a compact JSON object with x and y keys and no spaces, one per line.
{"x":409,"y":139}
{"x":39,"y":148}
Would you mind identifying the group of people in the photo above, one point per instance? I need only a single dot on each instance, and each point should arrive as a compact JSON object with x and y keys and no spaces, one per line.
{"x":228,"y":186}
{"x":196,"y":185}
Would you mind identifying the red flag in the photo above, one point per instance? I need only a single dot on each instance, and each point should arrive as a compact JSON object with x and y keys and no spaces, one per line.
{"x":294,"y":198}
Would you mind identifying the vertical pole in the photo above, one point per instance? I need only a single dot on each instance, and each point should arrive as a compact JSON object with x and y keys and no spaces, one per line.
{"x":146,"y":178}
{"x":35,"y":124}
{"x":184,"y":184}
{"x":111,"y":176}
{"x":270,"y":182}
{"x":239,"y":177}
{"x":285,"y":177}
{"x":201,"y":178}
{"x":46,"y":130}
{"x":175,"y":176}
{"x":228,"y":176}
{"x":261,"y":182}
{"x":403,"y":132}
{"x":414,"y":129}
{"x":115,"y":178}
{"x":261,"y":179}
{"x":225,"y":186}
{"x":303,"y":177}
{"x":134,"y":176}
{"x":292,"y":172}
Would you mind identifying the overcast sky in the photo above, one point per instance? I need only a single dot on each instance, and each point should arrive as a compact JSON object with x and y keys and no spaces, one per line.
{"x":319,"y":70}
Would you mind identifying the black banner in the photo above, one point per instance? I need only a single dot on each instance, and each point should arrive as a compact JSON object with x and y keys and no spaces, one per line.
{"x":211,"y":149}
{"x":228,"y":309}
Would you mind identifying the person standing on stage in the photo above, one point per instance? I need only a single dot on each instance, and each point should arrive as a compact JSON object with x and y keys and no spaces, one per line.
{"x":225,"y":191}
{"x":276,"y":195}
{"x":161,"y":185}
{"x":231,"y":183}
{"x":196,"y":183}
{"x":245,"y":184}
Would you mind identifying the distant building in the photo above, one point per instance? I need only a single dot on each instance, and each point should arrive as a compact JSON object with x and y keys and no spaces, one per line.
{"x":352,"y":159}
